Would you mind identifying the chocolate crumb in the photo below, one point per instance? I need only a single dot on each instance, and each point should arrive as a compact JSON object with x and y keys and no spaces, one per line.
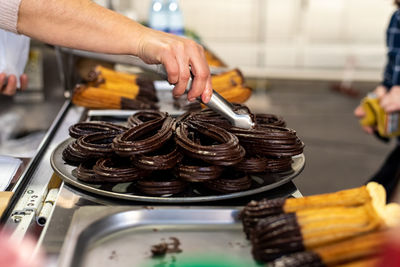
{"x":159,"y":249}
{"x":113,"y":255}
{"x":174,"y":245}
{"x":166,"y":247}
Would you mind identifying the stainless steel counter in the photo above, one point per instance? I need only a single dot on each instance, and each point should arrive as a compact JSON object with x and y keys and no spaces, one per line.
{"x":72,"y":199}
{"x":33,"y":187}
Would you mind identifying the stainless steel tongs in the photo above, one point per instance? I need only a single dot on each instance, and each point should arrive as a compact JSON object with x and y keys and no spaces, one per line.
{"x":216,"y":103}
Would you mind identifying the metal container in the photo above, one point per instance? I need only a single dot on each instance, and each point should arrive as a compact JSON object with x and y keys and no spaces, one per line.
{"x":104,"y":236}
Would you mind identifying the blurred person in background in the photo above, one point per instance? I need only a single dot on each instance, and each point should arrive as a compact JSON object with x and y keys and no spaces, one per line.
{"x":388,"y":93}
{"x":82,"y":24}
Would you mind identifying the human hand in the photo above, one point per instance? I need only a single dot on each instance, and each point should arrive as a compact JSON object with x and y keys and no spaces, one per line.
{"x":390,"y":102}
{"x":11,"y":83}
{"x":380,"y":91}
{"x":359,"y":112}
{"x":177,"y":54}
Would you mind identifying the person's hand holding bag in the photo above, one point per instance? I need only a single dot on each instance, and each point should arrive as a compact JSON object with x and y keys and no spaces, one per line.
{"x":359,"y":112}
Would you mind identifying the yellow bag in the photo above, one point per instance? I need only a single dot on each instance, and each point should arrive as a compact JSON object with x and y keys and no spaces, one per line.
{"x":388,"y":125}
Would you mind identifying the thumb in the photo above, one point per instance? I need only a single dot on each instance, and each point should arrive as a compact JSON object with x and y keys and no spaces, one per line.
{"x":359,"y":112}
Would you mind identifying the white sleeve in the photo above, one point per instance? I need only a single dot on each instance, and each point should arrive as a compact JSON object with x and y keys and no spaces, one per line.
{"x":9,"y":14}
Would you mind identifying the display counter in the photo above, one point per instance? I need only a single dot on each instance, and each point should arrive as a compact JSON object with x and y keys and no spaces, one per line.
{"x":44,"y":205}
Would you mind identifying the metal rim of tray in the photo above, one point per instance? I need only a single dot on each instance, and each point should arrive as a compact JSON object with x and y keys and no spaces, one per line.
{"x":61,"y":169}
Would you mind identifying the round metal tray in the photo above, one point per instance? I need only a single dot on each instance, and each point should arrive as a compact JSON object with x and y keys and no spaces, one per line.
{"x":194,"y":193}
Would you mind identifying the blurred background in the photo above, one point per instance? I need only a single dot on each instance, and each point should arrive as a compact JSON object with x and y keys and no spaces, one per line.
{"x":294,"y":53}
{"x":313,"y":39}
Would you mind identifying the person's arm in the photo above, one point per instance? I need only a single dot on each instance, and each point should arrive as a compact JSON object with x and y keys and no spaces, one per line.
{"x":359,"y":112}
{"x":85,"y":25}
{"x":390,"y":102}
{"x":392,"y":46}
{"x":387,"y":76}
{"x":8,"y":15}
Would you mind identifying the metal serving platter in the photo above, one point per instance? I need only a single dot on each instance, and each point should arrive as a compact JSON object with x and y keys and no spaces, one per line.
{"x":120,"y":236}
{"x":261,"y":183}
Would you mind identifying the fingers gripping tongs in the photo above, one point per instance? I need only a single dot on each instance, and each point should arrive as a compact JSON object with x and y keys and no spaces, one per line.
{"x":216,"y":103}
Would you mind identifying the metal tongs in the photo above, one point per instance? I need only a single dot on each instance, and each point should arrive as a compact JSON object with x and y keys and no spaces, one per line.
{"x":216,"y":103}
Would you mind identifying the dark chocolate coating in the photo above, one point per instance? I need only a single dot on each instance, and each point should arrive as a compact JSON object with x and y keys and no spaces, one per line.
{"x":85,"y":172}
{"x":145,"y":116}
{"x":209,"y":116}
{"x":163,"y":159}
{"x":117,"y":170}
{"x":166,"y":247}
{"x":276,"y":236}
{"x":269,"y":138}
{"x":252,"y":165}
{"x":197,"y":171}
{"x":96,"y":145}
{"x":255,"y":211}
{"x":159,"y":249}
{"x":209,"y":143}
{"x":269,"y":119}
{"x":278,"y":164}
{"x":85,"y":128}
{"x":144,"y":138}
{"x":160,"y":183}
{"x":269,"y":141}
{"x":72,"y":155}
{"x":157,"y":142}
{"x":300,"y":259}
{"x":230,"y":182}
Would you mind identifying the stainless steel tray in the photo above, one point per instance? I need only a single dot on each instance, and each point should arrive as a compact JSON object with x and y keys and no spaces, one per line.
{"x":126,"y":191}
{"x":104,"y":236}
